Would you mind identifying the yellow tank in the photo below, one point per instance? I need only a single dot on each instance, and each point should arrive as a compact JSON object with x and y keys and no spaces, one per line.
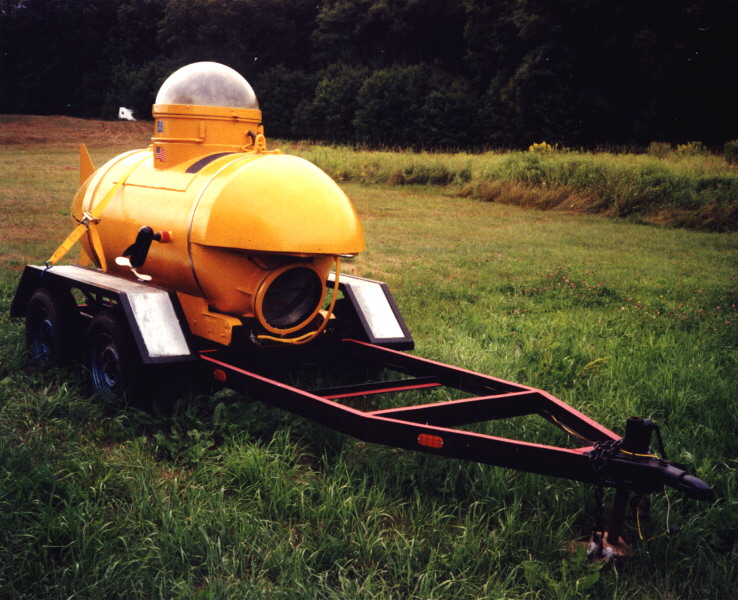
{"x":247,"y":232}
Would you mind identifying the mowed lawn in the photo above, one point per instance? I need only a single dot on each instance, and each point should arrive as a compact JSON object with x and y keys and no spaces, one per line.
{"x":217,"y":496}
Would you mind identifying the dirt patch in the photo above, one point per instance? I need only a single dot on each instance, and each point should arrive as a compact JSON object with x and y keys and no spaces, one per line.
{"x":68,"y":132}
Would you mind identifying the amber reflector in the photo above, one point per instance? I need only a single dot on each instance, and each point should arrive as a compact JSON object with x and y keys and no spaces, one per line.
{"x":430,"y":441}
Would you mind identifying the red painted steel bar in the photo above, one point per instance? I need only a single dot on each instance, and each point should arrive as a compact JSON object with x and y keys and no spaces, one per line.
{"x":467,"y":410}
{"x":429,"y":427}
{"x":572,"y":421}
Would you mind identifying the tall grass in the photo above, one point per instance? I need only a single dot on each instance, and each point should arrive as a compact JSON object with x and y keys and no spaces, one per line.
{"x":696,"y":191}
{"x":219,"y":496}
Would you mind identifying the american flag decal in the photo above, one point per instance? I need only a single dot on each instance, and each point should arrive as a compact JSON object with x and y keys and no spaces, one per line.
{"x":159,"y":154}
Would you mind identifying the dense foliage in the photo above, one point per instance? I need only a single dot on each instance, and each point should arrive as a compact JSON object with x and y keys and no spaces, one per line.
{"x":426,"y":73}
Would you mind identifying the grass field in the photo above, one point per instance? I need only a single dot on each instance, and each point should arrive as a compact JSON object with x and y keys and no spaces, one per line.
{"x":218,"y":496}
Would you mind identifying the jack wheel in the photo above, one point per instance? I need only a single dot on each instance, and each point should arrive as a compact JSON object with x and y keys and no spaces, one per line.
{"x":52,"y":327}
{"x":113,"y":366}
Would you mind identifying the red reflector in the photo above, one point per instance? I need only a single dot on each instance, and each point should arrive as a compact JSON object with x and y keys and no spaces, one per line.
{"x":431,"y":441}
{"x":219,"y":375}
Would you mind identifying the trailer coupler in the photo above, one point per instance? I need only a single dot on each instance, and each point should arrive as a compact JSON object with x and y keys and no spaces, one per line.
{"x":602,"y":457}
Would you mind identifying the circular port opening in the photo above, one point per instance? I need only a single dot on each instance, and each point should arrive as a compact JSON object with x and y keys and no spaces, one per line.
{"x":289,"y":298}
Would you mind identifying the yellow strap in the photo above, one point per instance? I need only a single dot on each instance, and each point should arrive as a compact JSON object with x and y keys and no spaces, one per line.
{"x":67,"y":244}
{"x":90,"y":218}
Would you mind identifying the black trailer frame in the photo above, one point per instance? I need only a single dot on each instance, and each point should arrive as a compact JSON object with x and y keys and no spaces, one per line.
{"x":603,"y":458}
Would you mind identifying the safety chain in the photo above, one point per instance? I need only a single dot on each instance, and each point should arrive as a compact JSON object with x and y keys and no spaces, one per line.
{"x":599,"y":457}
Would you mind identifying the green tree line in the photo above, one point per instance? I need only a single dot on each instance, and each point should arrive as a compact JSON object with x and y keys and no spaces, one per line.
{"x":423,"y":73}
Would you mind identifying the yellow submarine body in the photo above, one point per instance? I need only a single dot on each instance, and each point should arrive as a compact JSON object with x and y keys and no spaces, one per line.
{"x":241,"y":231}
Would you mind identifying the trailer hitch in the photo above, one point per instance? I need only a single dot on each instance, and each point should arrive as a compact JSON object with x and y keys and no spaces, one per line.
{"x":612,"y":462}
{"x":630,"y":463}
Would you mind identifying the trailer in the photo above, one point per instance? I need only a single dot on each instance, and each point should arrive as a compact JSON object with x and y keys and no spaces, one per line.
{"x":121,"y":329}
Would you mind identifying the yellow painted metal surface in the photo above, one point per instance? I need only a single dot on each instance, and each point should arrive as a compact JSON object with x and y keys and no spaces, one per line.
{"x":246,"y":225}
{"x":86,"y":167}
{"x":293,"y":207}
{"x":215,"y":327}
{"x":184,"y":131}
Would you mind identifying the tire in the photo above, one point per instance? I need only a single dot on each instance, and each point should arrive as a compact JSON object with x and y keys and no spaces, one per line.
{"x":111,"y":359}
{"x":53,"y":327}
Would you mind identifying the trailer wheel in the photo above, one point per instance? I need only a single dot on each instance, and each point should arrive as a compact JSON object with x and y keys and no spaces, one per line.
{"x":111,"y":359}
{"x":52,"y":328}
